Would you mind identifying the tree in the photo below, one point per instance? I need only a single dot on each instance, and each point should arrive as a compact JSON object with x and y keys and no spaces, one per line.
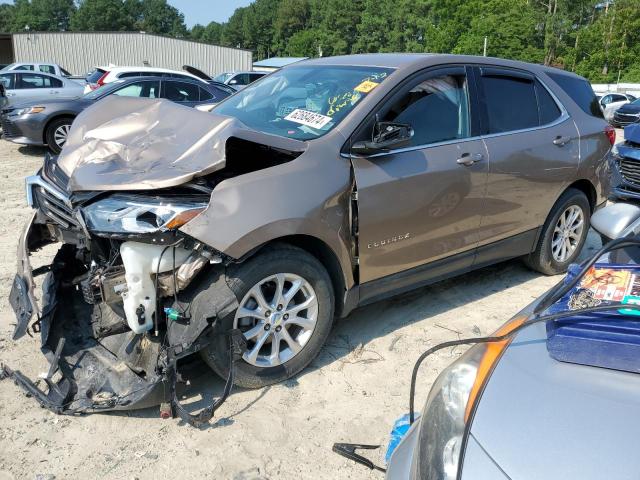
{"x":102,"y":15}
{"x":41,"y":15}
{"x":156,"y":16}
{"x":6,"y":17}
{"x":510,"y":28}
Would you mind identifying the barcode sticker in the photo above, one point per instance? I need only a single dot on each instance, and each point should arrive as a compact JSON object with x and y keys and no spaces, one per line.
{"x":310,"y":119}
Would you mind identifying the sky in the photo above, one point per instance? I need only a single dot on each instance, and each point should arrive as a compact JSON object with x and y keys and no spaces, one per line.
{"x":201,"y":11}
{"x":205,"y":11}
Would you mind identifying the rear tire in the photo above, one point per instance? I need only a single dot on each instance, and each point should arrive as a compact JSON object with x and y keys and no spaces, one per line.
{"x":561,"y":240}
{"x":286,"y":347}
{"x":55,"y":134}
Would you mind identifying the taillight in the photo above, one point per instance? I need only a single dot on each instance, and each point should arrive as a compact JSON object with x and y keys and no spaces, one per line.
{"x":611,"y":134}
{"x":100,"y":81}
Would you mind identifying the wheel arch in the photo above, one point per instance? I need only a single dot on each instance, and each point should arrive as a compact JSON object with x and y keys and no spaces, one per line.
{"x":323,"y":253}
{"x":586,"y":187}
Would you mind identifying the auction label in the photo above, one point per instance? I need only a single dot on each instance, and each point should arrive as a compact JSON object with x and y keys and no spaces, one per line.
{"x":366,"y":86}
{"x":310,"y":119}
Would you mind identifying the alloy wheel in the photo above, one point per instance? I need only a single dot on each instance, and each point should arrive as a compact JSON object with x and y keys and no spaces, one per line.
{"x":567,"y":233}
{"x":277,"y":317}
{"x":60,"y":134}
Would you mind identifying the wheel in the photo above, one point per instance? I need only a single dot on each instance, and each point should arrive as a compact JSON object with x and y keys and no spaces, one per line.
{"x":563,"y":234}
{"x":57,"y":132}
{"x":285,"y":310}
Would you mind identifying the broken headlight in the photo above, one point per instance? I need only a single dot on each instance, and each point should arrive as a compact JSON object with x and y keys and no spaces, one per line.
{"x":140,"y":214}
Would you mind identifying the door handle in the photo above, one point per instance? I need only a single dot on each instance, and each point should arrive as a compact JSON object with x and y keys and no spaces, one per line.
{"x":468,"y":159}
{"x":561,"y":141}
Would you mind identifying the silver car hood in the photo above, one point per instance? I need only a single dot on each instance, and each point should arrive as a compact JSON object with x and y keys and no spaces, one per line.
{"x":138,"y":144}
{"x":540,"y":418}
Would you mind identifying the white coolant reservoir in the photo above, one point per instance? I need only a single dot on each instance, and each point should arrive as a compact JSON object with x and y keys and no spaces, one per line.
{"x":140,"y":261}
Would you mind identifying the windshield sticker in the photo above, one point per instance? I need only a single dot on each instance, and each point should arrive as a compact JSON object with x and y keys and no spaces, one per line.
{"x":311,"y":119}
{"x":366,"y":86}
{"x":340,"y":101}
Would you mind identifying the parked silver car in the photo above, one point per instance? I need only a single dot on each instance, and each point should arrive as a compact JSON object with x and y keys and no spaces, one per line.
{"x":21,"y":86}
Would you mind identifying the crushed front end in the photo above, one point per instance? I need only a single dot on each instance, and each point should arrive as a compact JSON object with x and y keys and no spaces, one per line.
{"x":119,"y":304}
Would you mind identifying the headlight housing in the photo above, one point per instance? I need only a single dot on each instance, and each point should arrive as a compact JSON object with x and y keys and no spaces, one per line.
{"x":27,"y":110}
{"x":450,"y":405}
{"x":140,"y":214}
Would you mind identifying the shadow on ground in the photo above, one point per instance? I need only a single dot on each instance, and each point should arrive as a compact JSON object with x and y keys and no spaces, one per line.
{"x":366,"y":324}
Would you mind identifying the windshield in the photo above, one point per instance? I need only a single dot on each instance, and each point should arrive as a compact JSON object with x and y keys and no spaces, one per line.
{"x":223,"y":77}
{"x":302,"y":102}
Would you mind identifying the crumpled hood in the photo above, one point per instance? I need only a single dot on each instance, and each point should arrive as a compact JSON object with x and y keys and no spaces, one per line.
{"x":139,"y":144}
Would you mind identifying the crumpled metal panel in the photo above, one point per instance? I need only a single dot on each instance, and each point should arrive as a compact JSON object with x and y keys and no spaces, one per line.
{"x":133,"y":144}
{"x":138,"y":144}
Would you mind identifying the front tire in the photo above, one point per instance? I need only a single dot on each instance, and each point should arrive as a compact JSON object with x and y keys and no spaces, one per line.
{"x":56,"y":134}
{"x":286,"y":305}
{"x":563,"y":234}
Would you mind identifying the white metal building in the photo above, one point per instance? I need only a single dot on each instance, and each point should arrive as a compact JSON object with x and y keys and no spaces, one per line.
{"x":79,"y":52}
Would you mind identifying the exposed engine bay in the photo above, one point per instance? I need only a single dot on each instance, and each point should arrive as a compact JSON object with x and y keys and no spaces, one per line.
{"x":119,"y":310}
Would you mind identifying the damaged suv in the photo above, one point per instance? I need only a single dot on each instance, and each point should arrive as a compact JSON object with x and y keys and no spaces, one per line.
{"x":329,"y":184}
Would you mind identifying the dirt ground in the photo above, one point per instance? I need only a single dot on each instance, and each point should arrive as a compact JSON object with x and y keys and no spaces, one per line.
{"x":352,"y":392}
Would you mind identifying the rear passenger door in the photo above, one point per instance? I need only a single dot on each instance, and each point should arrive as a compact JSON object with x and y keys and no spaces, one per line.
{"x":33,"y":86}
{"x":533,"y":148}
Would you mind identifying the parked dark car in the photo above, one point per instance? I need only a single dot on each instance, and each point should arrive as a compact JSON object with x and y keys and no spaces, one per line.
{"x":625,"y":165}
{"x":48,"y":122}
{"x":627,"y":114}
{"x":328,"y":184}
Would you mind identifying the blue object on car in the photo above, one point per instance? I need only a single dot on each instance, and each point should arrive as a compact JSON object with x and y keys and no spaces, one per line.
{"x":632,"y":133}
{"x":400,"y":429}
{"x":599,"y":339}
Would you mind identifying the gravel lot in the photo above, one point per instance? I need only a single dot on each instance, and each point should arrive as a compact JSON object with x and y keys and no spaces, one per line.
{"x":353,"y":391}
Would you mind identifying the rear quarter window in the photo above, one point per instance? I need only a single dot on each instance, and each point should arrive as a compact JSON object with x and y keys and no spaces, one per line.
{"x":580,"y":92}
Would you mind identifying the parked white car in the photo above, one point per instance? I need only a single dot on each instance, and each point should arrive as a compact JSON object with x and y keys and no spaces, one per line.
{"x":102,"y":75}
{"x":50,"y":68}
{"x":611,"y":102}
{"x":21,"y":86}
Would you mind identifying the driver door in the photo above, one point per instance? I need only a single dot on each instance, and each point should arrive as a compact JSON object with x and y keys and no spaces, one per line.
{"x":423,"y":202}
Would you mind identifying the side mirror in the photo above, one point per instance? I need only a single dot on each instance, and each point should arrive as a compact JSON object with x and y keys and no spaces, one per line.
{"x":233,"y":82}
{"x":387,"y":135}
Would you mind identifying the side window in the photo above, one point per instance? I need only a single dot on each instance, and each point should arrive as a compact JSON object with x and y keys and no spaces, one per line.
{"x":511,"y":103}
{"x":606,"y":100}
{"x":47,"y":69}
{"x":580,"y":92}
{"x":548,"y":108}
{"x":437,"y":108}
{"x":180,"y":91}
{"x":619,"y":98}
{"x":139,"y":89}
{"x":255,"y":76}
{"x":24,"y":67}
{"x":33,"y":80}
{"x":205,"y":95}
{"x":7,"y":80}
{"x":55,"y":83}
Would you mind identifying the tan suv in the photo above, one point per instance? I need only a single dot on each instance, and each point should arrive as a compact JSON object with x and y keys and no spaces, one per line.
{"x":329,"y":184}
